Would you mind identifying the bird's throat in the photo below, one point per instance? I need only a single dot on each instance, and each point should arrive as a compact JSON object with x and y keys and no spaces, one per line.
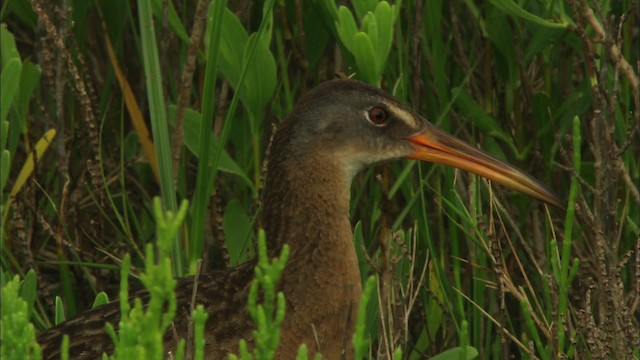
{"x":307,"y":207}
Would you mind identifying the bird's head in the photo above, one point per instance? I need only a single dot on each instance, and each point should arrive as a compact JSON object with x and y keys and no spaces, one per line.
{"x":362,"y":125}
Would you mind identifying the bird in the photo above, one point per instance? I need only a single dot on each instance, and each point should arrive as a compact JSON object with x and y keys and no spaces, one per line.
{"x":334,"y":131}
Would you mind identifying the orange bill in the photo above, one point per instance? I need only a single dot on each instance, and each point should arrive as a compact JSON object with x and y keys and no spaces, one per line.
{"x":434,"y":145}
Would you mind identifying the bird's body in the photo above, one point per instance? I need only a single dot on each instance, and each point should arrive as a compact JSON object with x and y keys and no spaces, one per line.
{"x":334,"y":131}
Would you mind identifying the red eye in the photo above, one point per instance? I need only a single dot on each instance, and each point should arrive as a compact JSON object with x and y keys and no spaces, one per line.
{"x":377,"y":115}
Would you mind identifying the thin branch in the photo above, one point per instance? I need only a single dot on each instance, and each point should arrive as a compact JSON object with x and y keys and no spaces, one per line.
{"x":200,"y":20}
{"x":614,"y":52}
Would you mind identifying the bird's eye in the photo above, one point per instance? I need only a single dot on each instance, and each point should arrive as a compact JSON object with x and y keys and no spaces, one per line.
{"x":377,"y":115}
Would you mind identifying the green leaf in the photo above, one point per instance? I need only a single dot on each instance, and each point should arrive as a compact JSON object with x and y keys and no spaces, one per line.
{"x":4,"y":168}
{"x":29,"y":81}
{"x":329,"y":7}
{"x":260,"y":78}
{"x":21,"y":10}
{"x":100,"y":300}
{"x":232,"y":44}
{"x":9,"y":84}
{"x":59,"y":315}
{"x":268,"y":22}
{"x":501,"y":35}
{"x":346,"y":27}
{"x":317,"y":36}
{"x":207,"y":165}
{"x":541,"y":110}
{"x":483,"y":121}
{"x":362,"y":7}
{"x":370,"y":46}
{"x":359,"y":243}
{"x":260,"y":82}
{"x":456,"y":353}
{"x":434,"y":308}
{"x":541,"y":40}
{"x":384,"y":19}
{"x":237,"y":227}
{"x":4,"y":133}
{"x":576,"y":104}
{"x":510,"y":7}
{"x":8,"y":49}
{"x":370,"y":27}
{"x":365,"y":58}
{"x":360,"y":337}
{"x":192,"y":141}
{"x":158,"y":116}
{"x":28,"y":290}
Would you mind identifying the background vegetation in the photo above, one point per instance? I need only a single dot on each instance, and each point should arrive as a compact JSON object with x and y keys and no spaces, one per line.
{"x":119,"y":101}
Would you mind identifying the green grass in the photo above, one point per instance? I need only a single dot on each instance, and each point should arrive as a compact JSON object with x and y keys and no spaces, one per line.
{"x":549,"y":86}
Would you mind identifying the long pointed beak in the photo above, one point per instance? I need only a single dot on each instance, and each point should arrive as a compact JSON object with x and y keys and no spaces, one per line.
{"x":434,"y":145}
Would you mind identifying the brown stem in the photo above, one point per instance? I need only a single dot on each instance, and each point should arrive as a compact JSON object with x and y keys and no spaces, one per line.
{"x":185,"y":82}
{"x":614,"y":53}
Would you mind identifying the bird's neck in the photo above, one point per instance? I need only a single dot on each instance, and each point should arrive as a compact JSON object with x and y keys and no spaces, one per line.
{"x":307,"y":207}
